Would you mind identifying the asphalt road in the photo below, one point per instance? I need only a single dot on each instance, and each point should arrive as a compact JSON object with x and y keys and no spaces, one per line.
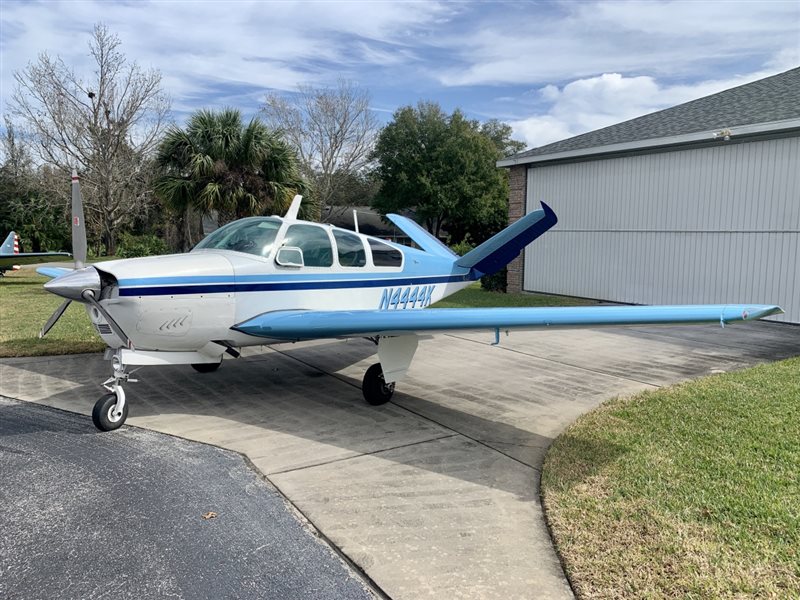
{"x":91,"y":515}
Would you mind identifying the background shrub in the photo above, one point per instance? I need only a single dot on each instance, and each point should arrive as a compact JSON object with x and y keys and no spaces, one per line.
{"x":462,"y":247}
{"x":132,"y":246}
{"x":496,"y":282}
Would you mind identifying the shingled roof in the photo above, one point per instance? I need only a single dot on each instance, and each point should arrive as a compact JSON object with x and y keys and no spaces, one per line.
{"x":775,"y":98}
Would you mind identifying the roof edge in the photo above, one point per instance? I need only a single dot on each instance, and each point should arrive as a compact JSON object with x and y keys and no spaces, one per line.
{"x":675,"y":140}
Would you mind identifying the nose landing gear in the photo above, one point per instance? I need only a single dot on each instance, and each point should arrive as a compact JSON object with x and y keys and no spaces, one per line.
{"x":111,"y":410}
{"x":108,"y":413}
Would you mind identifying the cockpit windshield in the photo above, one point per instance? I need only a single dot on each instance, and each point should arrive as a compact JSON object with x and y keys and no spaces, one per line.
{"x":255,"y":235}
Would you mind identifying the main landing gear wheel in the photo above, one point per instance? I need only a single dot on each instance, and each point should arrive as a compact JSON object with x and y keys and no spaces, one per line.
{"x":206,"y":367}
{"x":105,"y":415}
{"x":375,"y":389}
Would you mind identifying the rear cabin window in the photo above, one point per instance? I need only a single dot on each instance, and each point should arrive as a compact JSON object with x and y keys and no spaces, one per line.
{"x":313,"y":241}
{"x":385,"y":256}
{"x":350,"y":249}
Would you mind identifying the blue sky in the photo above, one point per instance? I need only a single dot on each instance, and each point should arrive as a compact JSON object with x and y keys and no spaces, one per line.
{"x":550,"y":69}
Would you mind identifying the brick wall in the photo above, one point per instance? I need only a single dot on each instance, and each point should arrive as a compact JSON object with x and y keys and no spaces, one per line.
{"x":518,"y":189}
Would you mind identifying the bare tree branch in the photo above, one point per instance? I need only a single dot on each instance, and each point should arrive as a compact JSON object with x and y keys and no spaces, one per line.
{"x":333,"y":131}
{"x":107,"y":128}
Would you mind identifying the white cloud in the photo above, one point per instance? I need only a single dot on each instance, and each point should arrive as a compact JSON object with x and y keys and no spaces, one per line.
{"x":201,"y":46}
{"x":215,"y":53}
{"x":595,"y":102}
{"x":541,"y":130}
{"x":582,"y":39}
{"x":734,"y":18}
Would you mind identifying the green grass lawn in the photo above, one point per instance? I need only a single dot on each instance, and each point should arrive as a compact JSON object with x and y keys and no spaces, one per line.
{"x":476,"y":297}
{"x":691,"y":491}
{"x":25,"y":307}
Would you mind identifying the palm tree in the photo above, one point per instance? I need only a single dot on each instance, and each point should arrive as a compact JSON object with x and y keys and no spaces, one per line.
{"x":219,"y":165}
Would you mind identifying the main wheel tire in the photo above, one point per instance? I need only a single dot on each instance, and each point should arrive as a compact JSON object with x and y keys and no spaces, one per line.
{"x":206,"y":367}
{"x":103,"y":413}
{"x":375,"y":389}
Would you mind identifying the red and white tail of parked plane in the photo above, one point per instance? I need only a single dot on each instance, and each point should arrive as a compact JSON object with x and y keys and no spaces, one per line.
{"x":11,"y":258}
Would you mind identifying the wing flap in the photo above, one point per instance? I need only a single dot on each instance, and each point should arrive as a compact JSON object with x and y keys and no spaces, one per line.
{"x":309,"y":324}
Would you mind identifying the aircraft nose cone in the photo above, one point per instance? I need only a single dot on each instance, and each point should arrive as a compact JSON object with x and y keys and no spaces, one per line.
{"x":72,"y":285}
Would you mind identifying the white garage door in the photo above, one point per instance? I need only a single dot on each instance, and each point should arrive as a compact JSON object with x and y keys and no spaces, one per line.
{"x":712,"y":225}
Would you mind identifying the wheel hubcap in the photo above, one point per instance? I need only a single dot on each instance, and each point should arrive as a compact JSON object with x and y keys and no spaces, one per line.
{"x":386,"y":388}
{"x":112,"y":416}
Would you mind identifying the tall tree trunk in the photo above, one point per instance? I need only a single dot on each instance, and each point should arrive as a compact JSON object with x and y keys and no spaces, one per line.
{"x":109,"y":241}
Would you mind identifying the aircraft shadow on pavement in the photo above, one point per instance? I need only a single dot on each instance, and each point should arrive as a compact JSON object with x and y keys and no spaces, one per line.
{"x":275,"y":393}
{"x":762,"y":340}
{"x":311,"y":392}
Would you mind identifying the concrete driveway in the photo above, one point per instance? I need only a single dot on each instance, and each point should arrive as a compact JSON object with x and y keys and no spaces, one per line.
{"x":437,"y":493}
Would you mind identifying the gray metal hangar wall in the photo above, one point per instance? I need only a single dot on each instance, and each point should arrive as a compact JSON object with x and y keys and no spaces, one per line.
{"x":695,"y":203}
{"x":714,"y":224}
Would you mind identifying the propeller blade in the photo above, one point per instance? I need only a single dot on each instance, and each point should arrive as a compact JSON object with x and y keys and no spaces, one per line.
{"x":53,"y":318}
{"x":88,"y":295}
{"x":78,"y":225}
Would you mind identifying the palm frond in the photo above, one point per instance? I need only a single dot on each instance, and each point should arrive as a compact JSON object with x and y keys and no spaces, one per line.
{"x":218,"y":164}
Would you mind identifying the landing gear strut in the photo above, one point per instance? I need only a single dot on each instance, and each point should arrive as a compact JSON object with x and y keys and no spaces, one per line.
{"x":111,"y":410}
{"x":375,"y":389}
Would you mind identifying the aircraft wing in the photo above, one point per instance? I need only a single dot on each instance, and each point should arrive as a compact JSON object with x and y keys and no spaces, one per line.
{"x":32,"y":258}
{"x":310,"y":324}
{"x":52,"y":272}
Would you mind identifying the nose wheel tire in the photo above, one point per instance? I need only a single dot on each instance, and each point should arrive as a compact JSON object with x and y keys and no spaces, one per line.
{"x":206,"y":367}
{"x":105,"y":416}
{"x":375,"y":389}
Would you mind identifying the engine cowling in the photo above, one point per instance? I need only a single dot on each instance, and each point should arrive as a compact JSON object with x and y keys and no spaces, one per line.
{"x":173,"y":303}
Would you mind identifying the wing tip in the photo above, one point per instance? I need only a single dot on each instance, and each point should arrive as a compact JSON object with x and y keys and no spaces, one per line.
{"x":52,"y":272}
{"x":549,"y":212}
{"x":760,"y":312}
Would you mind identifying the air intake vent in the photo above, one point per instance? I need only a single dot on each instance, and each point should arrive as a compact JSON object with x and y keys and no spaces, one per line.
{"x":103,"y":328}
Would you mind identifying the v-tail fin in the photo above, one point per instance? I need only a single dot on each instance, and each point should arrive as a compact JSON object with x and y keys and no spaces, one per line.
{"x":421,"y":237}
{"x":502,"y":248}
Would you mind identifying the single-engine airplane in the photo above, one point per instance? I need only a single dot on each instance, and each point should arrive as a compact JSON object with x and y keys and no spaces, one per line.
{"x":267,"y":280}
{"x":10,"y":256}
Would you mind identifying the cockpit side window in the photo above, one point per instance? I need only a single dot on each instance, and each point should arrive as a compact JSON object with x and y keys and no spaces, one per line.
{"x":385,"y":256}
{"x":313,"y":241}
{"x":251,"y":236}
{"x":350,"y":249}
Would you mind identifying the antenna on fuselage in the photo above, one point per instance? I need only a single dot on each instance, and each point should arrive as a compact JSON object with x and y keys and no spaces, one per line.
{"x":294,"y":208}
{"x":355,"y":219}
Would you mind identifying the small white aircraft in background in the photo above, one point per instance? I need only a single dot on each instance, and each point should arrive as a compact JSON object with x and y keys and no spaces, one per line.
{"x":11,"y":257}
{"x":266,"y":280}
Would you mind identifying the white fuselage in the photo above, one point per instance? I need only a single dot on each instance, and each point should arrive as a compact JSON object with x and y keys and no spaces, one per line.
{"x":181,"y":302}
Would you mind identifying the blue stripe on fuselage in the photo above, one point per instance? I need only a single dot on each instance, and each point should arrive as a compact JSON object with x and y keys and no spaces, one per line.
{"x":280,"y":278}
{"x":170,"y":286}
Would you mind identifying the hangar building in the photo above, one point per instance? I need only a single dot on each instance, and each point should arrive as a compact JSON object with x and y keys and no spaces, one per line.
{"x":699,"y":203}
